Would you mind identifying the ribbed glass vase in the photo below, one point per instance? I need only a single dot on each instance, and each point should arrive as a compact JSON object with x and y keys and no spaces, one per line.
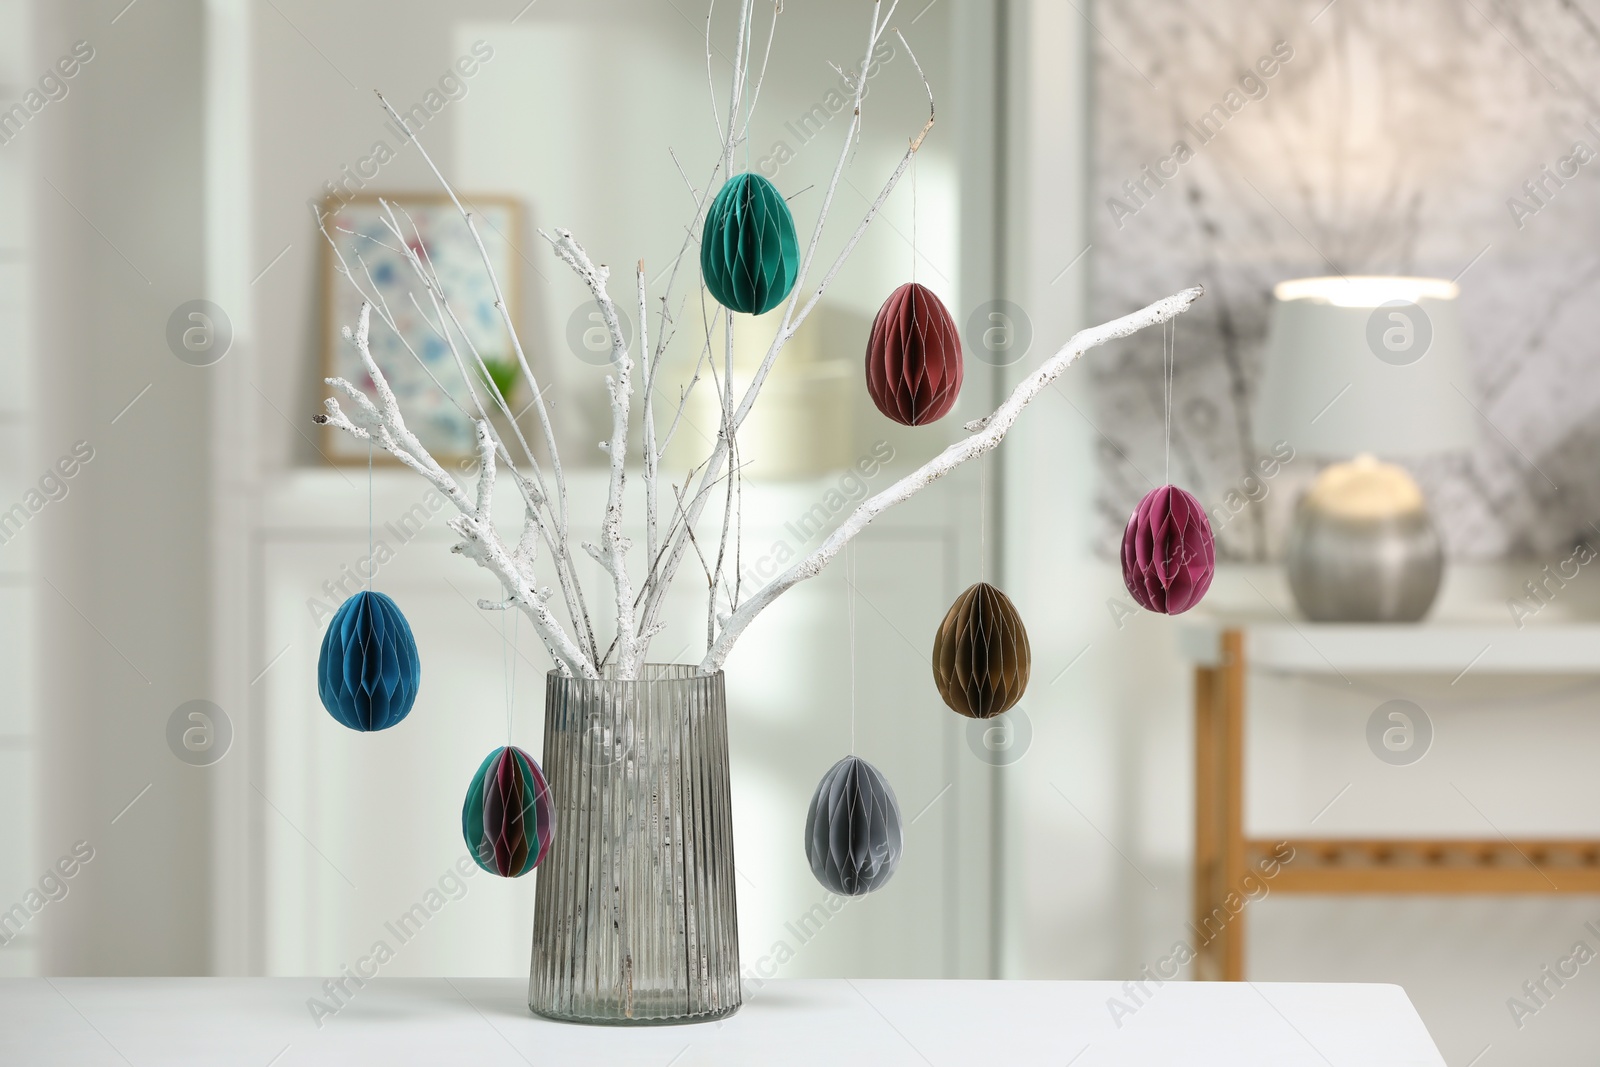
{"x":635,"y":921}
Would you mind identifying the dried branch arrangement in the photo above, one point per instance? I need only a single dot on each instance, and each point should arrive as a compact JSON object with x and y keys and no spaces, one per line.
{"x":638,"y":597}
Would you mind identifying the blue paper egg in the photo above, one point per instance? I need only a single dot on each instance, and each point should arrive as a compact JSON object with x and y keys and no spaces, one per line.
{"x":368,"y":673}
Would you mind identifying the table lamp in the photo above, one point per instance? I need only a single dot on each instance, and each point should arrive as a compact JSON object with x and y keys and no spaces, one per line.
{"x":1369,"y":372}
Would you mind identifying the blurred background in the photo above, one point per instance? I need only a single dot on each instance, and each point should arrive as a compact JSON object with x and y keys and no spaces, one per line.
{"x":208,"y":529}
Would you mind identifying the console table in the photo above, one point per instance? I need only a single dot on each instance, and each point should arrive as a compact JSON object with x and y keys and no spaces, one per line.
{"x":1226,"y":647}
{"x":397,"y":1022}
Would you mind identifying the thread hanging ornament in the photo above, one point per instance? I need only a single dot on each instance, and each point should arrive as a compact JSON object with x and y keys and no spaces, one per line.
{"x":981,"y":655}
{"x":1169,"y":554}
{"x":508,"y":817}
{"x":853,"y":831}
{"x":368,"y":671}
{"x":749,"y":254}
{"x":914,"y":362}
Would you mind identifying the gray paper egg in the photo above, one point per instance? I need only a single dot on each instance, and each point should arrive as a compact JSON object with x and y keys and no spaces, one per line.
{"x":853,"y":837}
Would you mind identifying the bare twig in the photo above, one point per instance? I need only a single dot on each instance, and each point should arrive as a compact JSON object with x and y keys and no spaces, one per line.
{"x":613,"y":549}
{"x":648,"y":428}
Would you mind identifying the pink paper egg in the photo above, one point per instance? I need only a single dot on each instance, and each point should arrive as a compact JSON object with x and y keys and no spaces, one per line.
{"x":1168,"y":553}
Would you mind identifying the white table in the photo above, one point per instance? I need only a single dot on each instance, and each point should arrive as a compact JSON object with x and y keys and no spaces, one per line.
{"x":478,"y":1022}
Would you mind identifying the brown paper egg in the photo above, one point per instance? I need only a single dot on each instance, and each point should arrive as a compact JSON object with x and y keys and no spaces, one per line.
{"x":914,"y":357}
{"x":980,"y":654}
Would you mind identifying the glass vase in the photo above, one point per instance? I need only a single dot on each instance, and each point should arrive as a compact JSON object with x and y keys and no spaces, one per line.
{"x":634,"y":920}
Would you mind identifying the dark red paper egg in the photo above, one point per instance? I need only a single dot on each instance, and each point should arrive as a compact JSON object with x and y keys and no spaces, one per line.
{"x":914,"y":357}
{"x":1168,"y":553}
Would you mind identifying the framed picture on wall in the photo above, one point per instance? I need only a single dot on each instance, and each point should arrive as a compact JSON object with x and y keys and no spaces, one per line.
{"x":415,"y":358}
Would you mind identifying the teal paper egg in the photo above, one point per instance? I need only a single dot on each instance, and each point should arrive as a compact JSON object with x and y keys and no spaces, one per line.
{"x":368,"y":671}
{"x":749,"y":255}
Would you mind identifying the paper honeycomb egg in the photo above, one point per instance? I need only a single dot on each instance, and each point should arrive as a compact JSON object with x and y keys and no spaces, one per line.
{"x":853,"y":835}
{"x":508,"y":816}
{"x":749,"y":255}
{"x":368,"y":670}
{"x":981,"y":656}
{"x":1168,"y":553}
{"x":914,"y":366}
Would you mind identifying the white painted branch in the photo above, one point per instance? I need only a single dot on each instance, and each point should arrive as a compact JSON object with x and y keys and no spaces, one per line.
{"x":384,"y":425}
{"x":741,"y":60}
{"x":481,"y":543}
{"x":688,"y":390}
{"x":485,"y":510}
{"x":651,"y":460}
{"x":527,"y":552}
{"x":711,"y":83}
{"x":691,"y":236}
{"x":766,"y":57}
{"x":991,"y":431}
{"x":613,"y":553}
{"x":728,"y":442}
{"x":655,"y":450}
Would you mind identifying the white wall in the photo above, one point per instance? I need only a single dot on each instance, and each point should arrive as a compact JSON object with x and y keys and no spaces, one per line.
{"x":122,"y":616}
{"x":18,"y":722}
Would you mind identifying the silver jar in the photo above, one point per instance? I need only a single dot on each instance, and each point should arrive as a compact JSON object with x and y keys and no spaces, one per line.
{"x":1363,"y":548}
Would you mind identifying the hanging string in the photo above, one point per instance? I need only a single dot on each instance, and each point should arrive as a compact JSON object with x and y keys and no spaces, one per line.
{"x":744,"y":83}
{"x":508,"y":664}
{"x":370,"y":567}
{"x":505,"y":672}
{"x":850,"y":615}
{"x":511,"y":696}
{"x":1169,"y":344}
{"x":983,"y":517}
{"x":913,"y":216}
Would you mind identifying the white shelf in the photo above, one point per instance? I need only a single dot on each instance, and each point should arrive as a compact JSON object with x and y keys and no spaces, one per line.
{"x":1281,"y":643}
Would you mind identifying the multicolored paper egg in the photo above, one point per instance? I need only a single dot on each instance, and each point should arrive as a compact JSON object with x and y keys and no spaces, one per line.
{"x":368,"y":671}
{"x":914,"y":364}
{"x":508,"y":817}
{"x":853,"y":835}
{"x":1168,"y":553}
{"x":749,"y":254}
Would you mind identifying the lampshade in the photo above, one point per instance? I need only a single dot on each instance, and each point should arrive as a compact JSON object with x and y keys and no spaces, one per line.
{"x":1365,"y":364}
